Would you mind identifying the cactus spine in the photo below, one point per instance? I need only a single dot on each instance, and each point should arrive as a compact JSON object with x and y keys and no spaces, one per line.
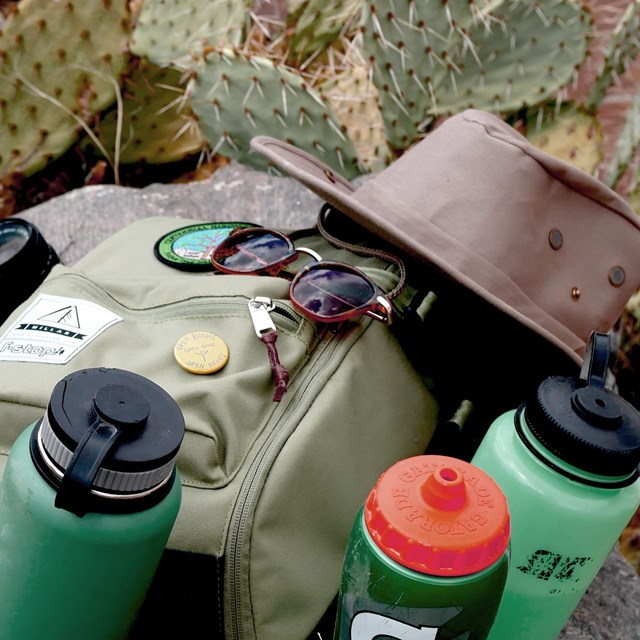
{"x":627,"y":144}
{"x":571,"y":135}
{"x":354,"y":100}
{"x":319,"y":22}
{"x":622,"y":50}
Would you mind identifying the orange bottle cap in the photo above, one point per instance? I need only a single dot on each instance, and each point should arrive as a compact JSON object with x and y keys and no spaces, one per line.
{"x":438,"y":515}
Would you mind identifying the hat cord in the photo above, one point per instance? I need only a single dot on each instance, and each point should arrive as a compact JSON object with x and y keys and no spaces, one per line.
{"x":363,"y":251}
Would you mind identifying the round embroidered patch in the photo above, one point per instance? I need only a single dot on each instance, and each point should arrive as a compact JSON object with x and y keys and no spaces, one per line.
{"x":189,"y":248}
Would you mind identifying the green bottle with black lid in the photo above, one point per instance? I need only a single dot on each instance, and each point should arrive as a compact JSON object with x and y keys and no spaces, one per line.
{"x":427,"y":556}
{"x":567,"y":461}
{"x":88,"y":499}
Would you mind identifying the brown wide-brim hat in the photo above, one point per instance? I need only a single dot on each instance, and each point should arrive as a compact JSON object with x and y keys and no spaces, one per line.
{"x":544,"y":242}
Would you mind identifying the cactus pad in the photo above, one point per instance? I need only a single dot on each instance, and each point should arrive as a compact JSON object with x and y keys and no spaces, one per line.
{"x":531,"y":50}
{"x":171,"y":31}
{"x":57,"y":60}
{"x":428,"y":61}
{"x":354,"y":100}
{"x":634,"y":202}
{"x":572,"y":136}
{"x":158,"y":124}
{"x":622,"y":50}
{"x":406,"y":42}
{"x":627,"y":144}
{"x":237,"y":97}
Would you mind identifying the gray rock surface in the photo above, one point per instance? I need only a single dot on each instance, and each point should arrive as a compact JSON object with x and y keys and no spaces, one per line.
{"x":610,"y":610}
{"x":76,"y":222}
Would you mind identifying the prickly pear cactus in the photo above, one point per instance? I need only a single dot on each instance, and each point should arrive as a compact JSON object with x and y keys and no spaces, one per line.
{"x":575,"y":134}
{"x":237,"y":97}
{"x":405,"y":44}
{"x":171,"y":31}
{"x":354,"y":100}
{"x":429,"y":60}
{"x":622,"y":50}
{"x":530,"y":50}
{"x":60,"y":64}
{"x":319,"y":22}
{"x":572,"y":136}
{"x":158,"y":124}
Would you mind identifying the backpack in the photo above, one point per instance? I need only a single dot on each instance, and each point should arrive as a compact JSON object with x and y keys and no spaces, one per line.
{"x":271,"y":489}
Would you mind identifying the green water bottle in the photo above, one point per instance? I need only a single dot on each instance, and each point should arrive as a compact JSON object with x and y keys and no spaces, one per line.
{"x":568,"y":463}
{"x":87,"y":501}
{"x":428,"y":555}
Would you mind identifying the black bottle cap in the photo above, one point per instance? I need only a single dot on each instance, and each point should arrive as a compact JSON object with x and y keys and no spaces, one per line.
{"x":25,"y":261}
{"x":108,"y":435}
{"x":584,"y":423}
{"x":72,"y":409}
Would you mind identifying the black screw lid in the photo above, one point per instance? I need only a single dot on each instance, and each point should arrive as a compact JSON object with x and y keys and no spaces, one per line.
{"x":584,"y":423}
{"x":123,"y":398}
{"x":108,"y":433}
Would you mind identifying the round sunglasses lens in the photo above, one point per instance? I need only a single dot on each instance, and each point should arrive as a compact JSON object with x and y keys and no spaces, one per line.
{"x":249,"y":252}
{"x":329,"y":292}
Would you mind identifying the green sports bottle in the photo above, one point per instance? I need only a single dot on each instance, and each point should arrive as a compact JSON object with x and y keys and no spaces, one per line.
{"x":568,"y":462}
{"x":88,"y":498}
{"x":428,"y":555}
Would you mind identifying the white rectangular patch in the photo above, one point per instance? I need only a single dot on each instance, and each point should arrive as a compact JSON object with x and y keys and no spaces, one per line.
{"x":54,"y":329}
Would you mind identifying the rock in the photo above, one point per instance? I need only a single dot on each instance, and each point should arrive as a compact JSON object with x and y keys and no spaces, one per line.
{"x":77,"y":221}
{"x":610,"y":610}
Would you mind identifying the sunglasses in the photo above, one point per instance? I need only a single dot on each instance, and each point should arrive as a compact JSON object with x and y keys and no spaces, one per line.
{"x":323,"y":290}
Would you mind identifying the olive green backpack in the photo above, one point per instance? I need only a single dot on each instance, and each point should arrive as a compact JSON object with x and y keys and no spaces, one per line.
{"x":270,"y":489}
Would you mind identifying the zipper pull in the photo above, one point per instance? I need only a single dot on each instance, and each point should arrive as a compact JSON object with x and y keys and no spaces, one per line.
{"x":259,"y":308}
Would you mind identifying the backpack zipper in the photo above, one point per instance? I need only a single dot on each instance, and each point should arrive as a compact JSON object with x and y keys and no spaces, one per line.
{"x":286,"y":319}
{"x":260,"y":309}
{"x":333,"y":344}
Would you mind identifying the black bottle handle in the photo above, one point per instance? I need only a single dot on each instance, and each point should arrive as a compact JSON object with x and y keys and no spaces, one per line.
{"x":596,"y":360}
{"x":118,"y":410}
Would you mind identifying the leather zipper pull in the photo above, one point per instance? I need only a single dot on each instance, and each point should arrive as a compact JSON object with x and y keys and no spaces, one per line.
{"x":265,"y":329}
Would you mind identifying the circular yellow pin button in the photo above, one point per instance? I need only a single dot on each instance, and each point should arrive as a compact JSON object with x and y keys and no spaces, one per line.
{"x":201,"y":352}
